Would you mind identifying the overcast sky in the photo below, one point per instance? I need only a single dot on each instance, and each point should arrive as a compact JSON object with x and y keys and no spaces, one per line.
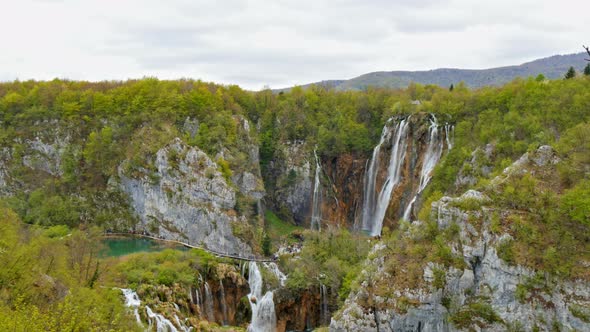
{"x":278,"y":43}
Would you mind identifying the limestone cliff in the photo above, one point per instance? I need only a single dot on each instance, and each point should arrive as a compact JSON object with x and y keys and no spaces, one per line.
{"x":290,"y":181}
{"x":185,"y":197}
{"x":480,"y":291}
{"x":343,"y":179}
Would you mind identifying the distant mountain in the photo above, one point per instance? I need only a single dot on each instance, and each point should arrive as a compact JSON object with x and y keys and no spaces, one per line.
{"x":552,"y":67}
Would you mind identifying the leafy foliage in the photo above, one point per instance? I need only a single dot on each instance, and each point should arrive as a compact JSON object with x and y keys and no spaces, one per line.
{"x":48,"y":281}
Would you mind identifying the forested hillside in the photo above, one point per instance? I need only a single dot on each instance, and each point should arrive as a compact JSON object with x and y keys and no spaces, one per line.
{"x":250,"y":173}
{"x":552,"y":67}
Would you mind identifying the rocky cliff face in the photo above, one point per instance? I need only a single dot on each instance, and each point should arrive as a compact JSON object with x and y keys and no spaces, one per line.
{"x":343,"y":178}
{"x":291,"y":181}
{"x":482,"y":292}
{"x":41,"y":156}
{"x":297,"y":311}
{"x":187,"y":198}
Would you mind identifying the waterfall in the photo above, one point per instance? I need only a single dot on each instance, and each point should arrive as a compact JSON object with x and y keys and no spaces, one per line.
{"x":208,"y":303}
{"x":223,"y":304}
{"x":324,"y":313}
{"x":316,"y":213}
{"x":274,"y":268}
{"x":449,"y":131}
{"x":431,"y":157}
{"x":199,"y":301}
{"x":374,"y":207}
{"x":132,"y":301}
{"x":162,"y":323}
{"x":264,"y":318}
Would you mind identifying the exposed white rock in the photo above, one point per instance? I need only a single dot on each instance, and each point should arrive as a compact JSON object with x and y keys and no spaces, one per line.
{"x":186,"y":198}
{"x":45,"y":156}
{"x":486,"y":277}
{"x":297,"y":194}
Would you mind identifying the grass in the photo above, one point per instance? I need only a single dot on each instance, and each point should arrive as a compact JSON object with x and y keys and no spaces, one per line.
{"x":276,"y":227}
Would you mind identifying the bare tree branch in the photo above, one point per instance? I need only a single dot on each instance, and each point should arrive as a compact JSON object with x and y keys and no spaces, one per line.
{"x":587,"y":51}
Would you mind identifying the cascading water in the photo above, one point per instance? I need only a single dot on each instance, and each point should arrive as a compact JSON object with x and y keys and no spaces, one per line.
{"x":449,"y":131}
{"x":264,"y":318}
{"x":431,"y":157}
{"x":208,"y":303}
{"x":132,"y":301}
{"x":324,"y":313}
{"x":316,"y":213}
{"x":162,"y":323}
{"x":274,"y":268}
{"x":223,"y":304}
{"x":375,"y":206}
{"x":199,"y":301}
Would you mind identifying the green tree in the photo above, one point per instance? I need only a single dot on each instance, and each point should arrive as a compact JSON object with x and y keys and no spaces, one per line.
{"x":576,"y":203}
{"x":571,"y":73}
{"x":266,"y":249}
{"x":587,"y":70}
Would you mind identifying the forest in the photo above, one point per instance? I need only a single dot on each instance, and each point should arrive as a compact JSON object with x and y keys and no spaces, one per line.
{"x":52,"y":274}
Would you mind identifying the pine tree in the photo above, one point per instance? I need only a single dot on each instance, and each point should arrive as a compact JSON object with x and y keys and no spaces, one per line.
{"x":571,"y":73}
{"x":587,"y":70}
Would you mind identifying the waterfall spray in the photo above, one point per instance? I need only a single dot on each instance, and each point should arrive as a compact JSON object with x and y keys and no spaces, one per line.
{"x":375,"y":206}
{"x":316,"y":213}
{"x":208,"y":303}
{"x":223,"y":303}
{"x":324,"y":313}
{"x":431,"y":157}
{"x":264,"y":318}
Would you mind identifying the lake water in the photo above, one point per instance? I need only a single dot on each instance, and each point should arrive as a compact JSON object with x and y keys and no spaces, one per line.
{"x":121,"y":246}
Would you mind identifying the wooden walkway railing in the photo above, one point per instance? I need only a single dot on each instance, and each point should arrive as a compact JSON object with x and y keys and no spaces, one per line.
{"x":215,"y":253}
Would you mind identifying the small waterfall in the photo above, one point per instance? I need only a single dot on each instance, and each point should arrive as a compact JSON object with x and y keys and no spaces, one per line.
{"x":132,"y":301}
{"x":264,"y":318}
{"x":191,"y":298}
{"x":316,"y":213}
{"x":162,"y":323}
{"x":199,"y":301}
{"x":449,"y":132}
{"x":274,"y":268}
{"x":375,"y":206}
{"x":208,"y":303}
{"x":431,"y":157}
{"x":324,"y":313}
{"x":223,"y":303}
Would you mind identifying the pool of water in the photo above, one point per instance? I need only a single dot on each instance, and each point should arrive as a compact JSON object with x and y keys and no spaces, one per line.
{"x":121,"y":246}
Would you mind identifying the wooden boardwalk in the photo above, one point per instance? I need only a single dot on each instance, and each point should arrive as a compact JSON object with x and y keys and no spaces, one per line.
{"x":213,"y":252}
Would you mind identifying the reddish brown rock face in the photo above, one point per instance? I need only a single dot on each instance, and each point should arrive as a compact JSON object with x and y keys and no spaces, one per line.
{"x":297,"y":311}
{"x":343,"y":179}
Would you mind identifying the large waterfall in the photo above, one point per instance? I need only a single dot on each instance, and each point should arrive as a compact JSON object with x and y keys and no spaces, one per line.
{"x":316,"y":213}
{"x":424,"y":156}
{"x":375,"y":204}
{"x":431,"y":157}
{"x":264,"y":318}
